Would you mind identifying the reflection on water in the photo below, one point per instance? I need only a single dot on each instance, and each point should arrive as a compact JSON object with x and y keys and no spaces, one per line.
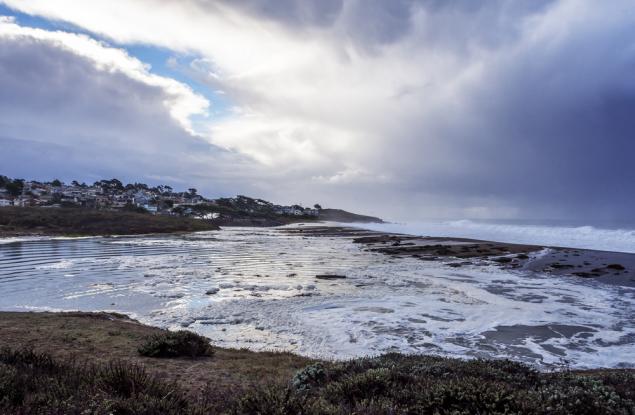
{"x":256,"y":288}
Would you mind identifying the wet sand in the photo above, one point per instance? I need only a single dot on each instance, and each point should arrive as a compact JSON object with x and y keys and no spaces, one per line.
{"x":615,"y":268}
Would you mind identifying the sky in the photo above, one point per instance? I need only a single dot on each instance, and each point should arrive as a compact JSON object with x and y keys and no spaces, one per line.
{"x":406,"y":109}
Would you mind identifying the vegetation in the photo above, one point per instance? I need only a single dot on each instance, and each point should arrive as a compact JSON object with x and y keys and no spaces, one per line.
{"x":243,"y":211}
{"x":13,"y":186}
{"x":76,"y":221}
{"x":176,"y":344}
{"x":119,"y":381}
{"x":400,"y":384}
{"x":338,"y":215}
{"x":32,"y":383}
{"x":392,"y":384}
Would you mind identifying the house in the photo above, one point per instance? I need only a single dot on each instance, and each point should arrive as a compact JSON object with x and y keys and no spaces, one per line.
{"x":23,"y":201}
{"x":311,"y":212}
{"x":196,"y":199}
{"x":119,"y":203}
{"x":141,"y":199}
{"x":151,"y":208}
{"x":5,"y":202}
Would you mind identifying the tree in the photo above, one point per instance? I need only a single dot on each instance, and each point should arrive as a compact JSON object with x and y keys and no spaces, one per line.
{"x":56,"y":183}
{"x":192,"y":191}
{"x":317,"y":206}
{"x":116,"y":184}
{"x":113,"y":184}
{"x":15,"y":187}
{"x":75,"y":183}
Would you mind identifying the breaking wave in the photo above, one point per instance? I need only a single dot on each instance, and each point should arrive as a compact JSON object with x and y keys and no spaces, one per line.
{"x":586,"y":237}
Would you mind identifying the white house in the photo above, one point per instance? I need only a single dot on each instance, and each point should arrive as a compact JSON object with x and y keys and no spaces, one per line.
{"x":151,"y":208}
{"x":22,"y":201}
{"x":6,"y":202}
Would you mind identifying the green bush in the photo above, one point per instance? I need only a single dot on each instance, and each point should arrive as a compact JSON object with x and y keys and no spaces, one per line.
{"x":176,"y":344}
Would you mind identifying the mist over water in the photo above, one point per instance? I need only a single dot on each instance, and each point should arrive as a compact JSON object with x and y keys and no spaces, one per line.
{"x":613,"y":237}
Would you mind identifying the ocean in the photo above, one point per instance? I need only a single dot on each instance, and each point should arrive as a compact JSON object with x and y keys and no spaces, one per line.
{"x":607,"y":237}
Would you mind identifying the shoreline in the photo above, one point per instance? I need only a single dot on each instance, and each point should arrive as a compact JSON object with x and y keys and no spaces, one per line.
{"x":614,"y":268}
{"x":421,"y":310}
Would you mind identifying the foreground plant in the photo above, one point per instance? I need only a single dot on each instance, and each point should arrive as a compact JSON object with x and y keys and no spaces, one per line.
{"x":35,"y":383}
{"x":177,"y":344}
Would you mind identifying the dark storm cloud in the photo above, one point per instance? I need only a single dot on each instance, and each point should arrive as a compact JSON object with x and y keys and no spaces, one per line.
{"x":549,"y":128}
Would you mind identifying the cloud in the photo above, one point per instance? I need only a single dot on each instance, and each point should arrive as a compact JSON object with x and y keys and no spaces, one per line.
{"x":488,"y":108}
{"x":72,"y":107}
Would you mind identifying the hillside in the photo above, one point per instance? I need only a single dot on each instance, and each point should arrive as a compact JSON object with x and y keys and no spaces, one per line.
{"x":76,"y":221}
{"x":339,"y":215}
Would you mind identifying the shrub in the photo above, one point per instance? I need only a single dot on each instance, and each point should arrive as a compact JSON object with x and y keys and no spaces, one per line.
{"x":309,"y":377}
{"x":402,"y":384}
{"x":176,"y":344}
{"x":35,"y":383}
{"x":271,"y":400}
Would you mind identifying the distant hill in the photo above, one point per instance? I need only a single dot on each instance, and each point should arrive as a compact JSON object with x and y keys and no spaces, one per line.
{"x":339,"y":215}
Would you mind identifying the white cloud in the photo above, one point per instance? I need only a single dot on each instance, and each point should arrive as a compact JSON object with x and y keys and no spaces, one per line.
{"x":179,"y":98}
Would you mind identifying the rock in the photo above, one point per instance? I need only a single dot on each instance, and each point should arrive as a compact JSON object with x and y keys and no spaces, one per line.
{"x":458,"y":264}
{"x":522,"y":256}
{"x":428,"y":258}
{"x":560,"y":266}
{"x":585,"y":274}
{"x":329,"y":277}
{"x":617,"y":267}
{"x":503,"y":260}
{"x":212,"y":291}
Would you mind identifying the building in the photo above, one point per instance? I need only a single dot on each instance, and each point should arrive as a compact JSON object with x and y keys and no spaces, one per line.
{"x":311,"y":212}
{"x":5,"y":202}
{"x":151,"y":208}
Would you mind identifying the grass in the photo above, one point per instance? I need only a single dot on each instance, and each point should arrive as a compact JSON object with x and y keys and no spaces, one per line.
{"x":36,"y":383}
{"x":109,"y":376}
{"x":85,"y":222}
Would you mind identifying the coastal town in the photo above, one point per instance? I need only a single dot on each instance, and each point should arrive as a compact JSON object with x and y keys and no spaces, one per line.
{"x":115,"y":195}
